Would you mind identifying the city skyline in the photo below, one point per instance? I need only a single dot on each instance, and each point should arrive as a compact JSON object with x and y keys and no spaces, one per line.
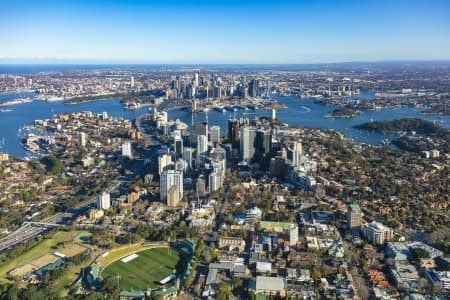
{"x":204,"y":32}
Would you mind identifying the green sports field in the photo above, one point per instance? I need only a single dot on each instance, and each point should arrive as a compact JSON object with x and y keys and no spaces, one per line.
{"x":145,"y":271}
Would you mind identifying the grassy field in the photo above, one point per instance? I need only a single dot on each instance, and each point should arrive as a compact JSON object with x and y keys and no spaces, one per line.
{"x":118,"y":253}
{"x":146,"y":270}
{"x":42,"y":248}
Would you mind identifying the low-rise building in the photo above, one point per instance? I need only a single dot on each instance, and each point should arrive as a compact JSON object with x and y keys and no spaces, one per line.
{"x":405,"y":276}
{"x":231,"y":243}
{"x":270,"y":286}
{"x":439,"y":279}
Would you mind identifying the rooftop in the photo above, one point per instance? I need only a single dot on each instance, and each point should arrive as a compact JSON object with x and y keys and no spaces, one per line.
{"x":270,"y":283}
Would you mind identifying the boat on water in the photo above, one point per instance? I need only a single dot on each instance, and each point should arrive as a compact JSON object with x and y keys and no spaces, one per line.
{"x":307,"y":109}
{"x":5,"y":110}
{"x":385,"y":142}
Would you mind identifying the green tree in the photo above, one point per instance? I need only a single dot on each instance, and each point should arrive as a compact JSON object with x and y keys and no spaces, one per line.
{"x":53,"y":165}
{"x":224,"y":291}
{"x":419,"y":253}
{"x":111,"y":287}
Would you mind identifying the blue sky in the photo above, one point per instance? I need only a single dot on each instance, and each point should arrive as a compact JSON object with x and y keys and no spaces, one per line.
{"x":223,"y":31}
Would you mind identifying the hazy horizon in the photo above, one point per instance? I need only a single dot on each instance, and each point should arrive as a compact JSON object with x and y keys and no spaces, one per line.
{"x":7,"y":61}
{"x":234,"y":32}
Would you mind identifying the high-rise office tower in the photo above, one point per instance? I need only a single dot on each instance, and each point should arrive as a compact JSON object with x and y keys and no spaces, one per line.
{"x":164,"y":162}
{"x":190,"y":91}
{"x":215,"y":181}
{"x":297,"y":153}
{"x":198,"y":129}
{"x":354,"y":217}
{"x":173,"y":197}
{"x":188,"y":156}
{"x":214,"y":134}
{"x":83,"y":139}
{"x":103,"y":201}
{"x":202,"y":149}
{"x":126,"y":150}
{"x":178,"y":145}
{"x":247,"y":142}
{"x":200,"y":185}
{"x":253,"y":88}
{"x":233,"y":132}
{"x":132,"y":81}
{"x":169,"y":179}
{"x":263,"y":141}
{"x":293,"y":234}
{"x":196,"y":75}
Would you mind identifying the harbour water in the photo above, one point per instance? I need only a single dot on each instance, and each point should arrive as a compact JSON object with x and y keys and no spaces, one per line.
{"x":300,"y":112}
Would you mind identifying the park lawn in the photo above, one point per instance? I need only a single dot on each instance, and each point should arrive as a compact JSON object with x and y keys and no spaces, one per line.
{"x":43,"y":247}
{"x":118,"y":253}
{"x":145,"y":271}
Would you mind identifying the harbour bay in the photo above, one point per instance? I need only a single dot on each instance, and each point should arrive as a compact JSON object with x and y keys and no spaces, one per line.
{"x":300,"y":112}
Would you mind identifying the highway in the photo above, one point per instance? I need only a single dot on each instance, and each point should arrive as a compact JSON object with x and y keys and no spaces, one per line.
{"x":31,"y":230}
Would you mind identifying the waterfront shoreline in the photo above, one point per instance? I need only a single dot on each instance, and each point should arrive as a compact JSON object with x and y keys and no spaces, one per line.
{"x":300,"y":112}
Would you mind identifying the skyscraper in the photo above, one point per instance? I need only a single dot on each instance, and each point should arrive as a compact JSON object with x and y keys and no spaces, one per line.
{"x":196,"y":75}
{"x":253,"y":88}
{"x":354,"y":217}
{"x":178,"y":145}
{"x":173,"y":197}
{"x":83,"y":139}
{"x":202,"y":149}
{"x":293,"y":234}
{"x":198,"y":129}
{"x":233,"y":132}
{"x":200,"y":185}
{"x":126,"y":150}
{"x":188,"y":157}
{"x":169,"y":179}
{"x":215,"y":182}
{"x":263,"y":141}
{"x":247,"y":142}
{"x":214,"y":134}
{"x":297,"y":153}
{"x":103,"y":201}
{"x":164,"y":161}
